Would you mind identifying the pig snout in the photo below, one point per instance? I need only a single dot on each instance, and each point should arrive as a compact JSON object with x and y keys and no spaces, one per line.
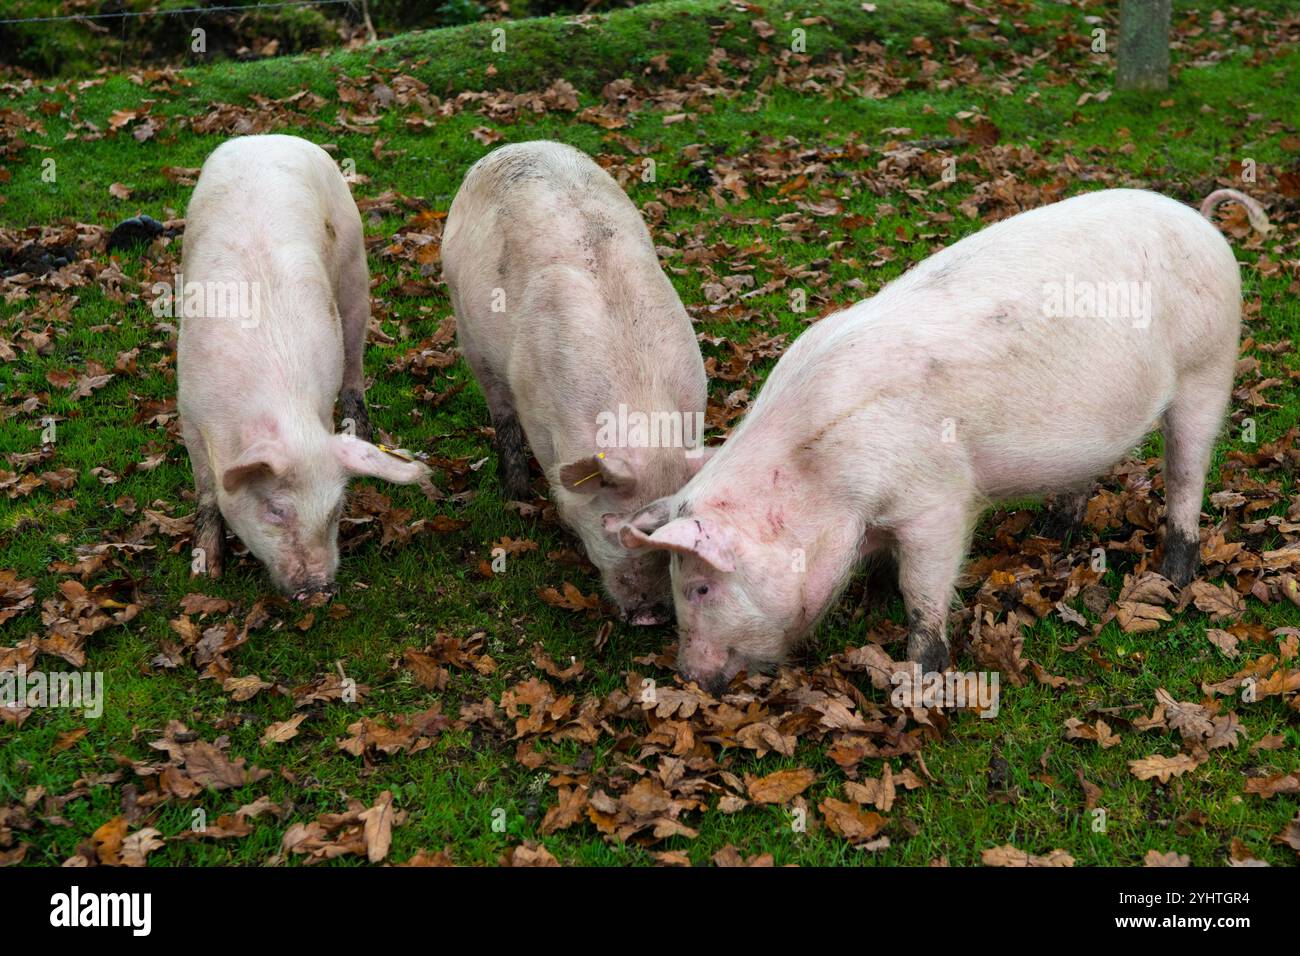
{"x":307,"y":577}
{"x":640,"y":588}
{"x":709,"y":665}
{"x":648,"y":614}
{"x":312,"y":590}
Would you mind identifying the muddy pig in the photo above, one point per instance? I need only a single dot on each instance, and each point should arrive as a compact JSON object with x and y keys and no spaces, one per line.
{"x":581,"y":346}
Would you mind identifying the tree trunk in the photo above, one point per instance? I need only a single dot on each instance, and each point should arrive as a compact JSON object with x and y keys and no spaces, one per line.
{"x":1143,"y":45}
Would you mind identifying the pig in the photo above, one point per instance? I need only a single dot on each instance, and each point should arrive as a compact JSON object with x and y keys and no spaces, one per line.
{"x":1004,"y":367}
{"x":568,"y":323}
{"x":274,"y":307}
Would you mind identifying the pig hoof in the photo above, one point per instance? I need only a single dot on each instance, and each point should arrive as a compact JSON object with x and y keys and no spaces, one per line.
{"x":354,"y":410}
{"x":928,"y":651}
{"x":1182,"y":555}
{"x":515,"y":490}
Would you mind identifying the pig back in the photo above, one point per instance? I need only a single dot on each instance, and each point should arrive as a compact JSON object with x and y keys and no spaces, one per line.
{"x":986,"y":360}
{"x":274,"y":186}
{"x":270,"y":214}
{"x":557,"y":285}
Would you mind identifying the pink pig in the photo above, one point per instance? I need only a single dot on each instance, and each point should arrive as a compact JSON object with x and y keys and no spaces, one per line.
{"x":274,"y":310}
{"x":572,"y":330}
{"x":1021,"y":361}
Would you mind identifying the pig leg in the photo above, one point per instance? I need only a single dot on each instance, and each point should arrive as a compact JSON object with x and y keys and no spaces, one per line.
{"x":512,"y":454}
{"x":931,"y":549}
{"x":354,"y":311}
{"x":1065,"y":514}
{"x":1191,"y":426}
{"x":209,"y":539}
{"x":210,"y":536}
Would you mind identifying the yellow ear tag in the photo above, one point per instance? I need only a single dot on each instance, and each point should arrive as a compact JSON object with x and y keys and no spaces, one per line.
{"x":600,"y":455}
{"x":395,"y":452}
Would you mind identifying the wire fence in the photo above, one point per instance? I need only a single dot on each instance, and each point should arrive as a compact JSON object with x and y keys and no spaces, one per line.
{"x":133,"y":14}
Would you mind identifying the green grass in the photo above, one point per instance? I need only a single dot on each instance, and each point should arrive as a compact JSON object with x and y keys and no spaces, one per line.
{"x":399,"y":597}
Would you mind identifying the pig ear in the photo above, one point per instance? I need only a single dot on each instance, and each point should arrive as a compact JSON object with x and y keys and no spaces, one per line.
{"x":597,"y":473}
{"x":261,"y":459}
{"x":362,"y":458}
{"x":653,"y":515}
{"x":699,"y":537}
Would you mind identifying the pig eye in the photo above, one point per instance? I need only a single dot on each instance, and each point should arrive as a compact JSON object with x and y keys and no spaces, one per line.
{"x":276,"y":514}
{"x":699,"y":591}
